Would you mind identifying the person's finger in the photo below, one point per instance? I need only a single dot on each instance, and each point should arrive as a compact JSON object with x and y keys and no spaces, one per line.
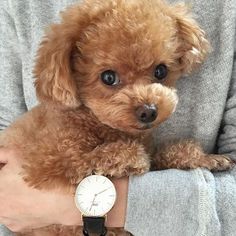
{"x":22,"y":226}
{"x":10,"y":159}
{"x":4,"y":155}
{"x":1,"y":165}
{"x":15,"y":227}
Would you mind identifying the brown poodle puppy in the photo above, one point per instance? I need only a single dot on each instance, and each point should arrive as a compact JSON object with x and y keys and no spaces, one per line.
{"x":103,"y":79}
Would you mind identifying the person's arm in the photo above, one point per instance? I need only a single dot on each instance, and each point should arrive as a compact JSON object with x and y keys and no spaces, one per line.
{"x":12,"y":102}
{"x":195,"y":202}
{"x":226,"y":184}
{"x":11,"y":91}
{"x":22,"y":207}
{"x":227,"y":138}
{"x":14,"y":193}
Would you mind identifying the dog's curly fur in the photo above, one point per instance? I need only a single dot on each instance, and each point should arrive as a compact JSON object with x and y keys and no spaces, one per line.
{"x":82,"y":125}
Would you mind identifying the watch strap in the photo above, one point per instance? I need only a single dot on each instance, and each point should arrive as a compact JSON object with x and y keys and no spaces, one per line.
{"x":94,"y":225}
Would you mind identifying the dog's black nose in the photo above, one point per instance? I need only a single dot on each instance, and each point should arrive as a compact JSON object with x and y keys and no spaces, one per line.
{"x":146,"y":113}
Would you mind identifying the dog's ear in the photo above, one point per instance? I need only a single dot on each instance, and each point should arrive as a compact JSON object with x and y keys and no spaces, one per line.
{"x":192,"y":43}
{"x":53,"y":72}
{"x":54,"y":69}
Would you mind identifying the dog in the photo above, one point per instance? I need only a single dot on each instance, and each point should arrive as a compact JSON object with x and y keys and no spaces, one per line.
{"x":105,"y":77}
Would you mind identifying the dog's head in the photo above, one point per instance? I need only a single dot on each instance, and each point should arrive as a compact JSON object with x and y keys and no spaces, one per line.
{"x":119,"y":58}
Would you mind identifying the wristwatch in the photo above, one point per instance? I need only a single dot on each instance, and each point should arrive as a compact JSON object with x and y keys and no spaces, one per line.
{"x":94,"y":197}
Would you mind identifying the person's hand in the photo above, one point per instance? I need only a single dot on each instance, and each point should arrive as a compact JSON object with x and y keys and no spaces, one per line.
{"x":23,"y":207}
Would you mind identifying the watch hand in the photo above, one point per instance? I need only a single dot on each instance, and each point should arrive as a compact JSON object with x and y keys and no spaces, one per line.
{"x":92,"y":202}
{"x":103,"y":191}
{"x":95,"y":195}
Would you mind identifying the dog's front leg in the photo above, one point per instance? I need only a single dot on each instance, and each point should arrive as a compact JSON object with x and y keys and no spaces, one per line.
{"x":120,"y":159}
{"x":189,"y":155}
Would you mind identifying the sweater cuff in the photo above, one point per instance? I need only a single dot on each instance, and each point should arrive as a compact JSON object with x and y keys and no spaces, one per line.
{"x":172,"y":202}
{"x":226,"y":200}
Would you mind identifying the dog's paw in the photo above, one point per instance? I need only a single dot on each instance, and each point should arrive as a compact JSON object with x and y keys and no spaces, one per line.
{"x":220,"y":163}
{"x":137,"y":164}
{"x":142,"y":164}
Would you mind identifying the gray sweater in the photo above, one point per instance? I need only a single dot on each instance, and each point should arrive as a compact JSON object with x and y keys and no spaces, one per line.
{"x":163,"y":203}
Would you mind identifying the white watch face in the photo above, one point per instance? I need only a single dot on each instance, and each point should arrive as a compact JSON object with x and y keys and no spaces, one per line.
{"x":95,"y":195}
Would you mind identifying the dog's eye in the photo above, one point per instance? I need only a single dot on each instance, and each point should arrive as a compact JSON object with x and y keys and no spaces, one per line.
{"x":109,"y":77}
{"x":161,"y":71}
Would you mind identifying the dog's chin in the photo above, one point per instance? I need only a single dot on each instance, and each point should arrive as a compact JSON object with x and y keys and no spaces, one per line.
{"x":135,"y":129}
{"x":141,"y":128}
{"x":144,"y":127}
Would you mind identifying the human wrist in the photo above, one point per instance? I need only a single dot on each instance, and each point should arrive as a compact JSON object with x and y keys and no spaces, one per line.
{"x":68,"y":214}
{"x":116,"y":217}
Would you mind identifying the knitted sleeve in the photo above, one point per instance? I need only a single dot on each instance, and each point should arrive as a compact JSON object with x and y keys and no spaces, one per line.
{"x":12,"y":102}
